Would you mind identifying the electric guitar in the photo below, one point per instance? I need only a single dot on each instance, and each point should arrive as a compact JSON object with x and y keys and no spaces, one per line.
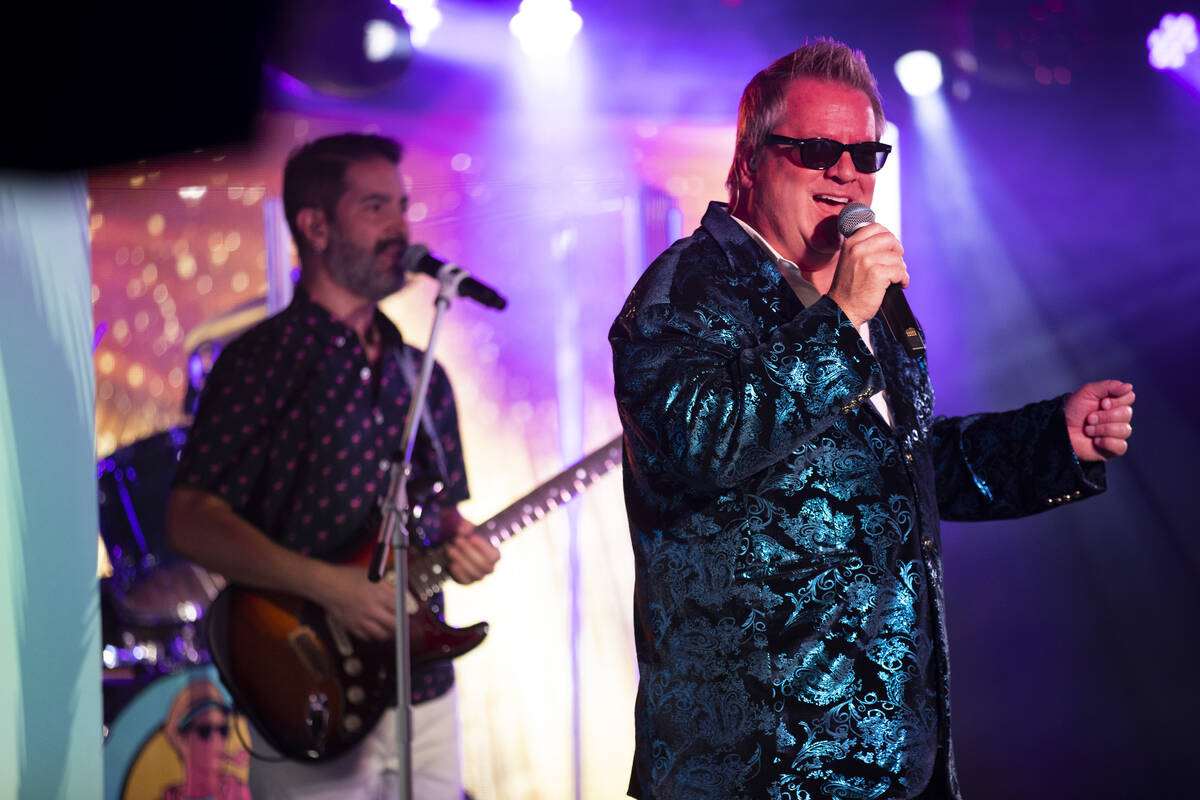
{"x":315,"y":691}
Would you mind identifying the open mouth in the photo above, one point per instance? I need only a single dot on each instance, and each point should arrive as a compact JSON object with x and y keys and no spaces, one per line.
{"x":830,"y":200}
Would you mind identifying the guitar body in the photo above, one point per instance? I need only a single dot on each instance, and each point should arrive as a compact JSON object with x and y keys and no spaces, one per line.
{"x":312,"y":689}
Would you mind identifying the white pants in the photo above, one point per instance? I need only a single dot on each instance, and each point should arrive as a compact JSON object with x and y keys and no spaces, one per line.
{"x":369,"y":771}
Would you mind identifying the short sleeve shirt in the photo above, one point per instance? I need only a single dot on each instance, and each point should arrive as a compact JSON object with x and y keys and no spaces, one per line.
{"x":297,"y":432}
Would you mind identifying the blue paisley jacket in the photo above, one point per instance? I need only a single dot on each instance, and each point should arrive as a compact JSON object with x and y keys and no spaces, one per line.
{"x":788,"y":600}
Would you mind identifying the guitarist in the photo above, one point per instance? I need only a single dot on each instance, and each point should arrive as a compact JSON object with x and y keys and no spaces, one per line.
{"x":292,"y":443}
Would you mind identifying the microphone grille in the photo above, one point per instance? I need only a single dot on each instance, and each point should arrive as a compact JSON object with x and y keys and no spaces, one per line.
{"x":412,"y":257}
{"x":853,"y":217}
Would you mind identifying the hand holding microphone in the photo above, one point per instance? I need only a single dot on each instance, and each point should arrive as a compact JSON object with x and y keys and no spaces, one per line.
{"x":870,"y":275}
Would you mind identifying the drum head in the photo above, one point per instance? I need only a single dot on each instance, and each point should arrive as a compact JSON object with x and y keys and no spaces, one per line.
{"x":150,"y":585}
{"x":167,"y":595}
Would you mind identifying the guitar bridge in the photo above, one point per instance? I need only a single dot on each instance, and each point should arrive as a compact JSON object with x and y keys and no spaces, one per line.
{"x":317,"y":721}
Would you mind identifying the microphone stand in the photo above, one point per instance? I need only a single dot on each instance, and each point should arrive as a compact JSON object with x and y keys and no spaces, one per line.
{"x":393,"y":534}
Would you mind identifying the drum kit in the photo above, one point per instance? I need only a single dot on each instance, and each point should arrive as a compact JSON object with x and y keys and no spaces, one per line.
{"x":153,"y":601}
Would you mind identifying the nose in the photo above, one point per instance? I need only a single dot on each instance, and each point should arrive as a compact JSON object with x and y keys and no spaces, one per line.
{"x":398,"y":224}
{"x":843,"y":170}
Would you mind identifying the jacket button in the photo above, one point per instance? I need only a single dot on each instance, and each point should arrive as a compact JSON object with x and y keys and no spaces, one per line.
{"x":928,"y":543}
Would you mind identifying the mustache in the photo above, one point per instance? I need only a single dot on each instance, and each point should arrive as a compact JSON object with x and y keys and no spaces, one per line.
{"x":395,"y":241}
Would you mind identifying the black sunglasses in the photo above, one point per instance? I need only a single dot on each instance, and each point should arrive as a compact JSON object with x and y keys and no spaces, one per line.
{"x":205,"y":731}
{"x":820,"y":153}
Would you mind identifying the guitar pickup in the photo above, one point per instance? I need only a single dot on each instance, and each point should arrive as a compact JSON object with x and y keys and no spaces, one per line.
{"x":341,"y":639}
{"x":311,"y":653}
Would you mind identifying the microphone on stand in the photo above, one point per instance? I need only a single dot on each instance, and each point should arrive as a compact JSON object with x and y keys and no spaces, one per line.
{"x":901,"y":323}
{"x":418,"y":259}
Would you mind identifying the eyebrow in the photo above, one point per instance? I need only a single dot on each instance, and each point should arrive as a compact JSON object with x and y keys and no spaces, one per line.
{"x":382,"y":197}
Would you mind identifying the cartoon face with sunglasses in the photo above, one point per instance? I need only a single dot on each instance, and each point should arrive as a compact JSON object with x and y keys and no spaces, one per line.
{"x":199,"y":727}
{"x":820,"y":155}
{"x":206,"y":729}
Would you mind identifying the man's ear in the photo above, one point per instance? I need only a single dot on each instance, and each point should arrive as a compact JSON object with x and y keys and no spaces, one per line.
{"x":744,"y":167}
{"x":313,"y":225}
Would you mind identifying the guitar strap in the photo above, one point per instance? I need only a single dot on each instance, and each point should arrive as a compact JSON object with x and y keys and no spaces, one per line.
{"x":404,"y":360}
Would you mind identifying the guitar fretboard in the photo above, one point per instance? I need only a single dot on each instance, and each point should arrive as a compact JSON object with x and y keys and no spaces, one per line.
{"x":428,"y":572}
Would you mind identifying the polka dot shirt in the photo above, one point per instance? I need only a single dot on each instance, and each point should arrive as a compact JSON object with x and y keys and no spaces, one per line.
{"x":297,"y":432}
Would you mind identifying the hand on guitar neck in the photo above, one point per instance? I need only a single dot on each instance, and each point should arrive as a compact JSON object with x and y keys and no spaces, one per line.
{"x":368,"y":610}
{"x":470,"y":555}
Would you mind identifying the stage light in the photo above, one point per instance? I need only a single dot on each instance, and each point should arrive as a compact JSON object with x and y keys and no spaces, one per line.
{"x":422,"y":16}
{"x":920,"y":72}
{"x":545,"y":27}
{"x":352,"y":48}
{"x":381,"y":40}
{"x":1172,"y":41}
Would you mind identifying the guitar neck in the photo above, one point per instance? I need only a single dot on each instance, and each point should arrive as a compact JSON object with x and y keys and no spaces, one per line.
{"x":559,"y":490}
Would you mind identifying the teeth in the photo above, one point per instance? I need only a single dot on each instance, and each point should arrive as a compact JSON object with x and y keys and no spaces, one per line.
{"x":830,"y":199}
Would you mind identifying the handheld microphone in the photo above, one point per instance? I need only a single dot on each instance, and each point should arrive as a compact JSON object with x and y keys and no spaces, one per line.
{"x":418,"y":259}
{"x":901,"y":323}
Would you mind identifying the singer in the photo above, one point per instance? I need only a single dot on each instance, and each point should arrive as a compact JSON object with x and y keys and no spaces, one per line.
{"x":785,"y":475}
{"x":291,"y":447}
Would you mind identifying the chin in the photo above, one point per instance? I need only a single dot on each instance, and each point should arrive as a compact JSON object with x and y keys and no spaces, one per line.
{"x":385,"y":290}
{"x":825,"y":239}
{"x":821,"y":254}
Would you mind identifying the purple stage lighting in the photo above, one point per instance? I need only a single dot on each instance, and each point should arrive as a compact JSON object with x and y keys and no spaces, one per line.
{"x":1172,"y":41}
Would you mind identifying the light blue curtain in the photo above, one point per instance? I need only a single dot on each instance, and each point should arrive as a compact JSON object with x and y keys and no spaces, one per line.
{"x":50,"y":704}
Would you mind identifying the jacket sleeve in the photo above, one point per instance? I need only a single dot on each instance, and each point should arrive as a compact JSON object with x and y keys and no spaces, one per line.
{"x":1009,"y":464}
{"x":703,"y":405}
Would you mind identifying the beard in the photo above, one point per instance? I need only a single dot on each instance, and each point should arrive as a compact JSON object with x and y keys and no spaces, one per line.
{"x":356,"y":268}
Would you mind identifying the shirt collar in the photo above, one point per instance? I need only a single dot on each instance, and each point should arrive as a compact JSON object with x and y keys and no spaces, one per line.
{"x":322,"y":320}
{"x":803,"y":288}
